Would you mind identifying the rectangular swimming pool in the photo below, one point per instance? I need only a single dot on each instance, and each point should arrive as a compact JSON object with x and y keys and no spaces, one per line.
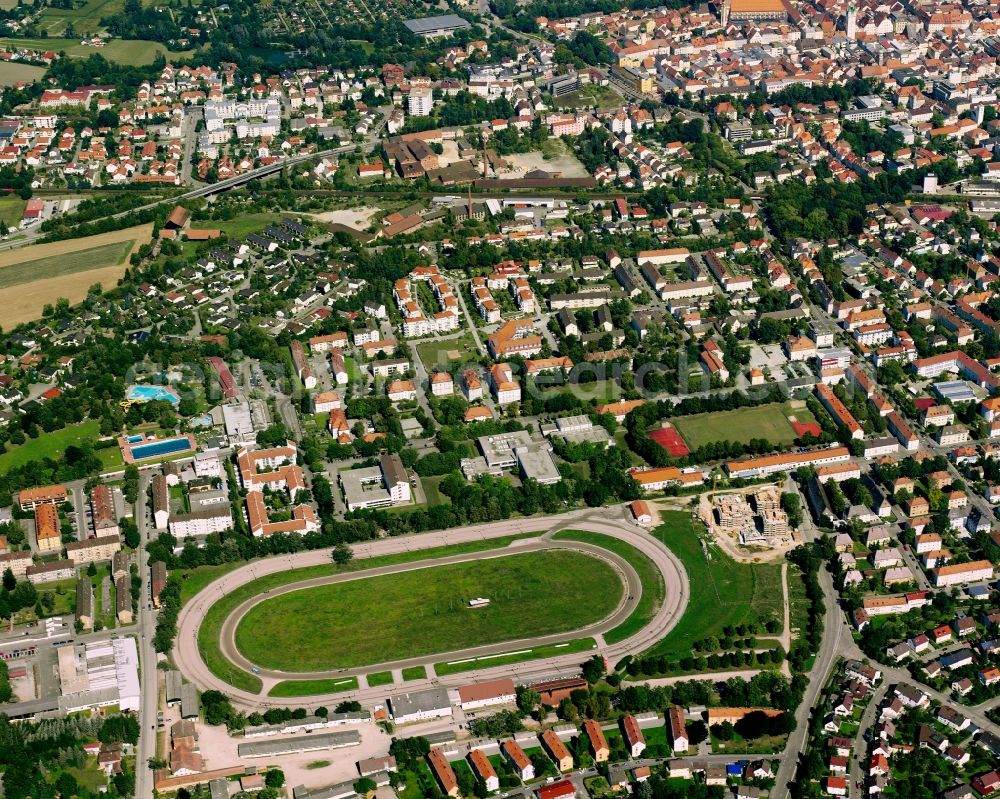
{"x":134,"y":439}
{"x":157,"y":449}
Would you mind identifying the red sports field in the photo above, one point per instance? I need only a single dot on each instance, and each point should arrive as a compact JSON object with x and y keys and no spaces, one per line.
{"x":801,"y":428}
{"x":670,"y":440}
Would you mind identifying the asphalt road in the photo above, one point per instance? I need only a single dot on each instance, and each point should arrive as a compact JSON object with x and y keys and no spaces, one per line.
{"x":610,"y":522}
{"x":148,"y":687}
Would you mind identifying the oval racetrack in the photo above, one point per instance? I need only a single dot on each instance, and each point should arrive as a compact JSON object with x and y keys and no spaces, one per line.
{"x":610,"y":522}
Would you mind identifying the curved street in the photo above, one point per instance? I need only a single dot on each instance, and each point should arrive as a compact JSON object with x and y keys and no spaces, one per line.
{"x":188,"y":659}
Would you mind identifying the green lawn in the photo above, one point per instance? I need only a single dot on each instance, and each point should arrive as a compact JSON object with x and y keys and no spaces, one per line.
{"x":123,"y":51}
{"x":211,"y":626}
{"x":196,"y":579}
{"x":798,"y":604}
{"x":379,"y":678}
{"x":425,"y":611}
{"x":239,"y":227}
{"x":353,"y":371}
{"x":414,"y":673}
{"x":653,"y":588}
{"x":431,"y":491}
{"x":764,"y":421}
{"x":764,"y":745}
{"x":537,"y":653}
{"x":723,"y":592}
{"x":11,"y":209}
{"x":313,"y":687}
{"x":442,"y":353}
{"x":63,"y":594}
{"x":53,"y":445}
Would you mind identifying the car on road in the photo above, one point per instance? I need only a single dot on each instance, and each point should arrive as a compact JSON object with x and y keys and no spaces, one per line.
{"x":255,"y":670}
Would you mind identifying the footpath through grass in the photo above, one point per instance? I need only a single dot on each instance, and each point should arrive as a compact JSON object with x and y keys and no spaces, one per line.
{"x":723,"y":592}
{"x":653,"y":588}
{"x":424,"y":612}
{"x":210,"y":631}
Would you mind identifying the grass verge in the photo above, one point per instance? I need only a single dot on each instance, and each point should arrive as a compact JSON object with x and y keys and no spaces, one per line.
{"x":379,"y":678}
{"x":313,"y":687}
{"x":537,"y":653}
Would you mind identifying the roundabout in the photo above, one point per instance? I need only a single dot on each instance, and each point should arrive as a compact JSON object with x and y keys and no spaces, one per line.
{"x":297,"y":617}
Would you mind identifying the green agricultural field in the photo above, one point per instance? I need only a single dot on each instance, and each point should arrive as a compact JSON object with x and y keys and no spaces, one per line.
{"x":67,"y":264}
{"x":764,"y":421}
{"x":424,"y":611}
{"x":723,"y":592}
{"x":290,"y":688}
{"x":54,"y":444}
{"x":211,"y":626}
{"x":653,"y":589}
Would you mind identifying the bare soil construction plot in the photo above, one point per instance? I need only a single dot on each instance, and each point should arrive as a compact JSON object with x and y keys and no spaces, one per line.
{"x":563,"y":163}
{"x":31,"y":277}
{"x":357,"y":218}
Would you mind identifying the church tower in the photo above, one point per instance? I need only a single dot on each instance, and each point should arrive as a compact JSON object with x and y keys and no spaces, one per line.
{"x":852,"y":21}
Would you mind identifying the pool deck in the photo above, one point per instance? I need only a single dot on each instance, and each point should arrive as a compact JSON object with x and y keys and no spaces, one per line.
{"x":126,"y":449}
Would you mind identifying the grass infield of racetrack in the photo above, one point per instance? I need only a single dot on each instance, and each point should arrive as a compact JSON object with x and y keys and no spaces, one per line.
{"x":425,"y":611}
{"x":211,"y":627}
{"x":653,"y":589}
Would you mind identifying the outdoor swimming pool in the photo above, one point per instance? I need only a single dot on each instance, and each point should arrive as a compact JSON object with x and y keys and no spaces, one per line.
{"x":134,"y":439}
{"x":151,"y":393}
{"x":157,"y":449}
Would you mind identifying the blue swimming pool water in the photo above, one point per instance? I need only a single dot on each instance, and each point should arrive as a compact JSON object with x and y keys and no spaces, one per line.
{"x":133,"y":439}
{"x":157,"y":449}
{"x":151,"y":393}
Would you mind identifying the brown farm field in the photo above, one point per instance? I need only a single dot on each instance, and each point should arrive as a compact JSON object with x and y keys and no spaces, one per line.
{"x":31,"y":277}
